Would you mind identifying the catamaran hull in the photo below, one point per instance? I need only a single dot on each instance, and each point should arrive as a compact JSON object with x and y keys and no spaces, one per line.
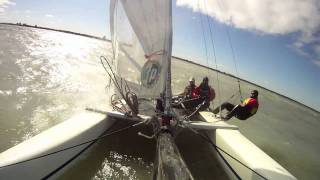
{"x":237,"y":145}
{"x":80,"y":128}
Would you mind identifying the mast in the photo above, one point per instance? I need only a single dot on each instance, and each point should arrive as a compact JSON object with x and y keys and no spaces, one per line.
{"x":144,"y":59}
{"x":168,"y":91}
{"x":169,"y":163}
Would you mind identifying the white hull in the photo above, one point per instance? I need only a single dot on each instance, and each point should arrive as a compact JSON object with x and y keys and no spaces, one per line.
{"x":237,"y":145}
{"x":80,"y":128}
{"x":90,"y":125}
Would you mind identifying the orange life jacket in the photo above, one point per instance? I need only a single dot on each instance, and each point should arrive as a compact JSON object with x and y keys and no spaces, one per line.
{"x":251,"y":104}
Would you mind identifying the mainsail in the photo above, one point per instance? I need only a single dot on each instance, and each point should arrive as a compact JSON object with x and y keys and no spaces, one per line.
{"x":142,"y":41}
{"x":141,"y":33}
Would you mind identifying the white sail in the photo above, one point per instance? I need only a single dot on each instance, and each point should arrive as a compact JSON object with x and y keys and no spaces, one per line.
{"x":141,"y":33}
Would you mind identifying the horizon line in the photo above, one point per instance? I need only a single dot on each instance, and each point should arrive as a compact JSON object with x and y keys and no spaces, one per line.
{"x":183,"y":59}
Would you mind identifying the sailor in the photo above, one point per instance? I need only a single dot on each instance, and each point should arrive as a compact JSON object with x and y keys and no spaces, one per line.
{"x":187,"y":93}
{"x":242,"y":111}
{"x":205,"y":92}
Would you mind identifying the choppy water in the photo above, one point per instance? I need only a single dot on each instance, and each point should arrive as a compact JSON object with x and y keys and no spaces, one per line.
{"x":47,"y":76}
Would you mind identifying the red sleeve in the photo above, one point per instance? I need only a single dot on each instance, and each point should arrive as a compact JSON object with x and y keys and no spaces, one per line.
{"x":196,"y":91}
{"x":209,"y":93}
{"x":212,"y":94}
{"x":251,"y":103}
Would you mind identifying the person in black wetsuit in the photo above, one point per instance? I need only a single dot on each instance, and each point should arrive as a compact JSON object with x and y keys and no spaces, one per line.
{"x":205,"y":92}
{"x":242,"y":111}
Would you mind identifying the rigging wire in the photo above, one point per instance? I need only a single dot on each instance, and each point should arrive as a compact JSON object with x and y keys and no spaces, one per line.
{"x":77,"y":145}
{"x":204,"y":39}
{"x":234,"y":95}
{"x":235,"y":64}
{"x":215,"y":57}
{"x":219,"y":87}
{"x":233,"y":55}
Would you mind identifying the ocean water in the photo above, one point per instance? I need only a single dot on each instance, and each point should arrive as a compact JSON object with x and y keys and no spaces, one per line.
{"x":47,"y":76}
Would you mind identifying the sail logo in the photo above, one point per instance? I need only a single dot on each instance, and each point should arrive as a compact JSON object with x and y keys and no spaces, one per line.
{"x":150,"y":74}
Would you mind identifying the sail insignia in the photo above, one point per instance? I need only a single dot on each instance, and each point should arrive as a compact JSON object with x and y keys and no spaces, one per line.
{"x":150,"y":74}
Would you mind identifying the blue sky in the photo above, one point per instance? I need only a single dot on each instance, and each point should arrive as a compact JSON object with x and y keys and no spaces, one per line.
{"x":276,"y":43}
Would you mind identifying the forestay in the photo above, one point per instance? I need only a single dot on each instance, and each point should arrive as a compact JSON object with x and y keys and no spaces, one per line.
{"x":141,"y":33}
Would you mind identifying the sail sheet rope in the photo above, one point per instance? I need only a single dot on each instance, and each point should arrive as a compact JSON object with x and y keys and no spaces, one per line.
{"x":127,"y":95}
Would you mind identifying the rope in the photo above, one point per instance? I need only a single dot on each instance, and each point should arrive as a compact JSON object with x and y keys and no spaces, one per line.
{"x":111,"y":75}
{"x":71,"y":147}
{"x":123,"y":88}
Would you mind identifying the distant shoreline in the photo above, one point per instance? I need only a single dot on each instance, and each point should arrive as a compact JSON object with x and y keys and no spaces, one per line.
{"x":104,"y":39}
{"x":230,"y":75}
{"x":58,"y":30}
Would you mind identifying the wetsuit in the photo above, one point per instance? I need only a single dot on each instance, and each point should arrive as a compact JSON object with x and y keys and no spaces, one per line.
{"x":205,"y":92}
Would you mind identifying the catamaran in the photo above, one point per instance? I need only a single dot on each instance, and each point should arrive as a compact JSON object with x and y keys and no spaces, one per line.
{"x":140,"y":73}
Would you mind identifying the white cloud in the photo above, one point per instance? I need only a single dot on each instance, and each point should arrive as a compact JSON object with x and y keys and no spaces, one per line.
{"x":317,"y":50}
{"x":266,"y":16}
{"x":4,"y":4}
{"x":49,"y":15}
{"x":317,"y":62}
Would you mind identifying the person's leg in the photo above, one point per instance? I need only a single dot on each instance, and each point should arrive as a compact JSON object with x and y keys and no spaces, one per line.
{"x":233,"y":112}
{"x":225,"y":105}
{"x":240,"y":112}
{"x":228,"y":106}
{"x":243,"y":114}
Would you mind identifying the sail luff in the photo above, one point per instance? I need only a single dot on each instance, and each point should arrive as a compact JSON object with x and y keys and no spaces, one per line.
{"x":112,"y":27}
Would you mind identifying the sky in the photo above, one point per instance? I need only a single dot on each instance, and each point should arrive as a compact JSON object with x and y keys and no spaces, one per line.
{"x":275,"y":44}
